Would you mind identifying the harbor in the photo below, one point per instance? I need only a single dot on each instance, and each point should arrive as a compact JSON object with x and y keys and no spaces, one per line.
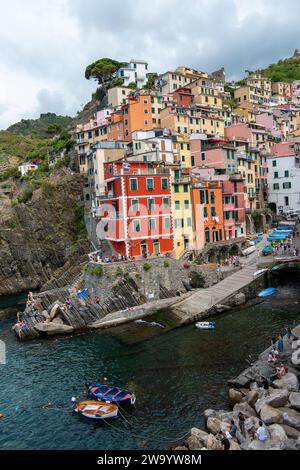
{"x":175,"y":377}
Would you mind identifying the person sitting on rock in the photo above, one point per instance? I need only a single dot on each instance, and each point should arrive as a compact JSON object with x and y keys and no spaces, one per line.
{"x":261,"y":433}
{"x":290,"y":336}
{"x":280,"y":371}
{"x":232,"y":430}
{"x":225,"y":441}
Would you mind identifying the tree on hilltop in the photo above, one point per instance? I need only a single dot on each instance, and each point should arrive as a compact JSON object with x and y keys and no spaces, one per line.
{"x":103,"y":70}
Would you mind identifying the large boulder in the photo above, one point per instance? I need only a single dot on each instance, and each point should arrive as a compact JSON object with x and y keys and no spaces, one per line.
{"x":213,"y":443}
{"x":277,"y":432}
{"x":290,"y":417}
{"x":288,"y":381}
{"x":53,"y":328}
{"x":238,"y":299}
{"x":269,"y":444}
{"x":291,"y":433}
{"x":235,"y":396}
{"x":270,"y":415}
{"x":209,"y":413}
{"x":297,"y":444}
{"x":276,"y":399}
{"x":244,"y":408}
{"x":295,"y":400}
{"x":252,"y":397}
{"x":234,"y":445}
{"x":197,"y":439}
{"x":213,"y":425}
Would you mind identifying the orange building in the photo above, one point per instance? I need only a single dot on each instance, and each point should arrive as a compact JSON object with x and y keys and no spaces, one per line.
{"x":207,"y":197}
{"x":137,"y":115}
{"x":115,"y":126}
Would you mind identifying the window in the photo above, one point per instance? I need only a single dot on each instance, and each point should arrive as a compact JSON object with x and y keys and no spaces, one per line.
{"x":186,"y":204}
{"x":274,"y":163}
{"x":146,"y":111}
{"x":189,"y":221}
{"x":202,"y":197}
{"x":202,"y":156}
{"x":152,"y":224}
{"x":126,"y":132}
{"x":167,"y":223}
{"x":276,"y":174}
{"x":146,"y":122}
{"x":176,"y":188}
{"x":165,"y":203}
{"x":207,"y":235}
{"x":164,"y":183}
{"x":212,"y":197}
{"x":183,"y":158}
{"x":286,"y":200}
{"x":151,"y":204}
{"x":213,"y":212}
{"x":177,"y":205}
{"x":150,"y":184}
{"x":286,"y":173}
{"x":185,"y":188}
{"x":287,"y":185}
{"x":192,"y":160}
{"x":205,"y":214}
{"x":135,"y":205}
{"x":126,"y":122}
{"x":97,"y":132}
{"x":145,"y":101}
{"x":90,"y":135}
{"x":153,"y":110}
{"x":133,"y":184}
{"x":276,"y":186}
{"x":136,"y":226}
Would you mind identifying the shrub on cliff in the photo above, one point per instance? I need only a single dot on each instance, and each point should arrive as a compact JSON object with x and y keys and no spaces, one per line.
{"x":96,"y":271}
{"x":147,"y":266}
{"x":119,"y":271}
{"x":166,"y":264}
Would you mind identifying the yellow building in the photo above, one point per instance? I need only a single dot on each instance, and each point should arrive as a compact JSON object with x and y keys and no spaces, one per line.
{"x":86,"y":135}
{"x":156,"y":107}
{"x":176,"y":119}
{"x":182,"y":151}
{"x":206,"y":93}
{"x":248,"y":167}
{"x":182,"y":212}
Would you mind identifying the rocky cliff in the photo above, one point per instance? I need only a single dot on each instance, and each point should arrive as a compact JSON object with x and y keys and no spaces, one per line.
{"x":43,"y":239}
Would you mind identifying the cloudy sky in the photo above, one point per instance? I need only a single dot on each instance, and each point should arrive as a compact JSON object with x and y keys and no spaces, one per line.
{"x":45,"y":45}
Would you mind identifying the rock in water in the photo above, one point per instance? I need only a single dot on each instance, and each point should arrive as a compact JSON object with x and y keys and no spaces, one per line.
{"x":53,"y":329}
{"x":288,"y":381}
{"x":270,"y":415}
{"x":235,"y":396}
{"x":197,"y":439}
{"x":213,"y":425}
{"x":295,"y":400}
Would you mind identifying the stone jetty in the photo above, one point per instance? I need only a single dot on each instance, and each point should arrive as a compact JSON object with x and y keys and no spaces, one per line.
{"x":278,"y":408}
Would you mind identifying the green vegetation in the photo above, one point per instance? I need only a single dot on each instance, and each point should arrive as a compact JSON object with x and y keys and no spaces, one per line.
{"x":46,"y":126}
{"x":119,"y":271}
{"x":79,"y":222}
{"x":25,"y":196}
{"x":147,"y":266}
{"x":285,"y":70}
{"x":166,"y":264}
{"x":103,"y":70}
{"x":132,"y":85}
{"x":151,"y":79}
{"x":11,"y":173}
{"x":96,"y":271}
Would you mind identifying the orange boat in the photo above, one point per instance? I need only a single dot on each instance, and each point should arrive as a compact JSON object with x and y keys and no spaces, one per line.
{"x":96,"y":409}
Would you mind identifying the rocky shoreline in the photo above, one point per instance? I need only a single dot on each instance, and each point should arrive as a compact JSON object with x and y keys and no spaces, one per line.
{"x":278,"y":409}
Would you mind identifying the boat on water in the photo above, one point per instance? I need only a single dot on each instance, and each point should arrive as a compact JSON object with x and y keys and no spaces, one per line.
{"x":96,"y":410}
{"x":267,"y":292}
{"x":113,"y":394}
{"x":259,"y":272}
{"x":206,"y":325}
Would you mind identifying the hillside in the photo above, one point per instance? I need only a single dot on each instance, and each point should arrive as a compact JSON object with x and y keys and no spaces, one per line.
{"x":285,"y":70}
{"x":45,"y":126}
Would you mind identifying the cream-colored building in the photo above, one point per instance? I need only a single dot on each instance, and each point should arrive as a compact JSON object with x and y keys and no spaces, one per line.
{"x":117,"y":95}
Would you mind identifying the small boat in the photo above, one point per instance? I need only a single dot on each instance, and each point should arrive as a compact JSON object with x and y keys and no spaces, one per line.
{"x":96,"y":410}
{"x":267,"y":292}
{"x":113,"y":394}
{"x":206,"y":325}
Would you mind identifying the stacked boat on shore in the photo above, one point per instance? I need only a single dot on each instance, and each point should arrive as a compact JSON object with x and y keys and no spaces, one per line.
{"x":104,"y":401}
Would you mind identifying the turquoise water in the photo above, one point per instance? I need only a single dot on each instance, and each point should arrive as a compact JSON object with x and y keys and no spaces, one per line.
{"x":175,"y":377}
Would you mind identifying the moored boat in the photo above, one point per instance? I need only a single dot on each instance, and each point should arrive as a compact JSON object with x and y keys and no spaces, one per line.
{"x":267,"y":292}
{"x":113,"y":394}
{"x":96,"y":410}
{"x":206,"y":325}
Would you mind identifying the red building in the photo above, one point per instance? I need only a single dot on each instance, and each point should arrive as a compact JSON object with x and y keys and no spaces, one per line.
{"x":183,"y":96}
{"x":234,"y":207}
{"x":136,"y":208}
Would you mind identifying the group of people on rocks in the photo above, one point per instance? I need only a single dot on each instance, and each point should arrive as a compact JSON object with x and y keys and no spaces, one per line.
{"x":229,"y":433}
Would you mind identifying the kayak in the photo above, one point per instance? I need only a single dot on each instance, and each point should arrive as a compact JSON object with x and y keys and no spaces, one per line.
{"x":96,"y":410}
{"x":267,"y":292}
{"x":206,"y":325}
{"x":113,"y":394}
